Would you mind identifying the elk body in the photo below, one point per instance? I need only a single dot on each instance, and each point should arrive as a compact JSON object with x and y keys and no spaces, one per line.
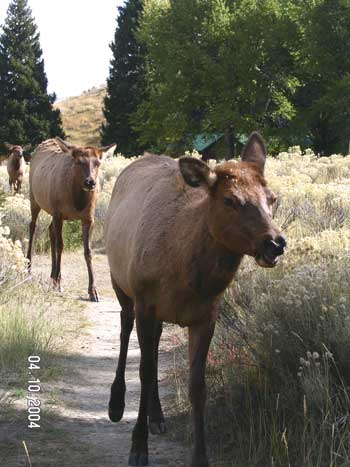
{"x":63,"y":181}
{"x":15,"y":167}
{"x":176,"y":232}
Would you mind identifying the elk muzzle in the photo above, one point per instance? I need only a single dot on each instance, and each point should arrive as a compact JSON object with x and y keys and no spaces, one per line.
{"x":272,"y":249}
{"x":89,"y":184}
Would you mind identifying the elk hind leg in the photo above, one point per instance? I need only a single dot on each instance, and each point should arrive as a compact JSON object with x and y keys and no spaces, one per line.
{"x":35,"y":210}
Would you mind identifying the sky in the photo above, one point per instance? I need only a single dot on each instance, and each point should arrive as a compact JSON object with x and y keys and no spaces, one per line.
{"x":75,"y":37}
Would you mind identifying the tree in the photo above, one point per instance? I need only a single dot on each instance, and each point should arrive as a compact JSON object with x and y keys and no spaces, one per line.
{"x":125,"y":85}
{"x":26,"y":109}
{"x":215,"y":66}
{"x":323,"y":101}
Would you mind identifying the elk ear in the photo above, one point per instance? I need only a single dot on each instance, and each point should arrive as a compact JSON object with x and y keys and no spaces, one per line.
{"x":255,"y":151}
{"x":196,"y":172}
{"x":107,"y":151}
{"x":8,"y":146}
{"x":64,"y":145}
{"x":26,"y":147}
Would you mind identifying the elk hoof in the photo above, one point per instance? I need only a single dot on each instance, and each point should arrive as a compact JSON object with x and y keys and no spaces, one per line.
{"x":157,"y":427}
{"x":115,"y":413}
{"x":138,"y":459}
{"x":94,"y":296}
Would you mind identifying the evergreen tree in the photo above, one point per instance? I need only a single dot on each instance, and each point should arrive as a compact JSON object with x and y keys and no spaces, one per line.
{"x":26,"y":109}
{"x":125,"y":85}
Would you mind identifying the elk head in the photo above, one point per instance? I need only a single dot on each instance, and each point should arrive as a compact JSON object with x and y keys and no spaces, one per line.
{"x":87,"y":161}
{"x":239,"y":208}
{"x":15,"y":150}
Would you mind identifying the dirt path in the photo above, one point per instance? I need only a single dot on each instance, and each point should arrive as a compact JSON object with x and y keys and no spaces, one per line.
{"x":78,"y":399}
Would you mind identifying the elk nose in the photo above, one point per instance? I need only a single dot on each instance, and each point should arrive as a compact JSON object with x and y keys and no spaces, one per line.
{"x":275,"y":247}
{"x":281,"y":241}
{"x":90,"y":183}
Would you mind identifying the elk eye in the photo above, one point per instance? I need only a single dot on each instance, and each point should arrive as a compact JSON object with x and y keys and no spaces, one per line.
{"x":272,"y":199}
{"x":229,"y":202}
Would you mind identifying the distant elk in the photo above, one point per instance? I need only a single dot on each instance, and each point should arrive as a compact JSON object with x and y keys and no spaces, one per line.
{"x":15,"y":166}
{"x":63,"y":181}
{"x":176,"y":233}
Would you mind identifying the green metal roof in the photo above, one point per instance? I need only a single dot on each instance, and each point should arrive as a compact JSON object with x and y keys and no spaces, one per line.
{"x":201,"y":142}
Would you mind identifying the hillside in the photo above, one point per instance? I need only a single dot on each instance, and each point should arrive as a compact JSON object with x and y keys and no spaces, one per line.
{"x":82,"y":116}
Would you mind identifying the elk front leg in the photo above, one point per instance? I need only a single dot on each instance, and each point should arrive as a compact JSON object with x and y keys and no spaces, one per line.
{"x":155,"y":413}
{"x":146,"y":327}
{"x":127,"y":317}
{"x":58,"y":226}
{"x":52,"y":236}
{"x":199,"y":342}
{"x":87,"y":237}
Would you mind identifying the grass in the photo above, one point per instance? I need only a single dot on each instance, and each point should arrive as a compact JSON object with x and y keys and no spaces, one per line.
{"x":278,"y":369}
{"x":33,"y":321}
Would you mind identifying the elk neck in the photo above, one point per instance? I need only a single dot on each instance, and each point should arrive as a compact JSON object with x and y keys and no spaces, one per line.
{"x":211,"y":265}
{"x":81,"y":198}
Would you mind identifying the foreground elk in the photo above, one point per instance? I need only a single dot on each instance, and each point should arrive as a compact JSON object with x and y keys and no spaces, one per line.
{"x":176,"y":232}
{"x":63,"y":181}
{"x":15,"y":167}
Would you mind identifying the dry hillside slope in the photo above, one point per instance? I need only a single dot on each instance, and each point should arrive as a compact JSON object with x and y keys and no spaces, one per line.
{"x":82,"y":116}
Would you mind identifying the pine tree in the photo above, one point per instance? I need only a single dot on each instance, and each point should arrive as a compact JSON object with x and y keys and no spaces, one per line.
{"x":125,"y":85}
{"x":26,"y":109}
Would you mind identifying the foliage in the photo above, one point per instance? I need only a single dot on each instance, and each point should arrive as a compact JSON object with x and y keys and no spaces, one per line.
{"x":125,"y":85}
{"x":216,"y":67}
{"x":324,"y":98}
{"x":12,"y":262}
{"x":27,"y":115}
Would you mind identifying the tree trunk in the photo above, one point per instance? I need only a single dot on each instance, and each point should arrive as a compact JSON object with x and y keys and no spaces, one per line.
{"x":229,"y":140}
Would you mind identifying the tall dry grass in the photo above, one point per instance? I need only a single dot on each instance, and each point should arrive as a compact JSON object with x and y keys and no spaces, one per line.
{"x":278,"y":368}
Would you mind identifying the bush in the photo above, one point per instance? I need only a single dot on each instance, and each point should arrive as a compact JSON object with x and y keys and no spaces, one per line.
{"x":12,"y":261}
{"x":278,"y":368}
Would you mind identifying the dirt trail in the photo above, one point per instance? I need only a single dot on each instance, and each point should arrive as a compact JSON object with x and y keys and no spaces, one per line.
{"x":81,"y":395}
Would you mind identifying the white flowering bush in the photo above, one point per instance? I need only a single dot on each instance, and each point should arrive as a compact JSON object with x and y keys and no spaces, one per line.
{"x":12,"y":261}
{"x":279,"y":362}
{"x":112,"y":167}
{"x":15,"y":213}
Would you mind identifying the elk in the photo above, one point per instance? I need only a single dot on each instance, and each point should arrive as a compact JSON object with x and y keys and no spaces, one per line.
{"x":63,"y":181}
{"x":176,"y":233}
{"x":15,"y":167}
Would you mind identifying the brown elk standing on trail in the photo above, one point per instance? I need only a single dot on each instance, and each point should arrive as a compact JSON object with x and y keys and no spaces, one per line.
{"x":176,"y":232}
{"x":63,"y":181}
{"x":15,"y":167}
